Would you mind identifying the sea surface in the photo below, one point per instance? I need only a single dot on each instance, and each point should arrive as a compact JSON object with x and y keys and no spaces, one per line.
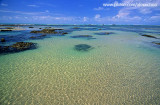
{"x":122,"y":68}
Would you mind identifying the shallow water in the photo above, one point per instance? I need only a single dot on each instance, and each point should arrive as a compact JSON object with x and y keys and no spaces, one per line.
{"x":122,"y":68}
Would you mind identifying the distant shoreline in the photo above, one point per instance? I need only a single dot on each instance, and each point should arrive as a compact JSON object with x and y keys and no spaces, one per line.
{"x":7,"y":24}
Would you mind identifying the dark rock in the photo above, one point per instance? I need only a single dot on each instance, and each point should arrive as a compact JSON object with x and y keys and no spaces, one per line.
{"x":11,"y":36}
{"x":82,"y":47}
{"x":149,"y":36}
{"x":3,"y":40}
{"x":9,"y":28}
{"x":31,"y":27}
{"x":42,"y":35}
{"x":33,"y":37}
{"x":35,"y":32}
{"x":48,"y":31}
{"x":37,"y":37}
{"x":79,"y":36}
{"x":83,"y":36}
{"x":47,"y":27}
{"x":104,"y":33}
{"x":5,"y":30}
{"x":58,"y":29}
{"x":22,"y":45}
{"x":17,"y":47}
{"x":156,"y":43}
{"x":63,"y":33}
{"x":40,"y":28}
{"x":75,"y":27}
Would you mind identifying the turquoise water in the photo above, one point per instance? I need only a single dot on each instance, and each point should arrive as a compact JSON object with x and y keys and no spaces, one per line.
{"x":122,"y":68}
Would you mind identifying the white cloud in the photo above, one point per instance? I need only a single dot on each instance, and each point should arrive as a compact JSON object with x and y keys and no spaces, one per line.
{"x":155,"y":18}
{"x":123,"y":13}
{"x":26,"y":13}
{"x":97,"y":16}
{"x":47,"y":11}
{"x":85,"y":19}
{"x":127,"y":14}
{"x":145,"y":10}
{"x":32,"y":5}
{"x":3,"y":4}
{"x":51,"y":18}
{"x":141,"y":1}
{"x":99,"y":8}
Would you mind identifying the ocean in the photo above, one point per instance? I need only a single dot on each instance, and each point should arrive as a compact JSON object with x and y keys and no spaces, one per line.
{"x":122,"y":67}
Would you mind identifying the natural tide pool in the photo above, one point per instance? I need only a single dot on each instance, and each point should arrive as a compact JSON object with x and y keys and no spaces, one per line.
{"x":121,"y":68}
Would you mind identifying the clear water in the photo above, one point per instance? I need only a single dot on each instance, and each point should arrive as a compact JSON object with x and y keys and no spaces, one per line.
{"x":122,"y":68}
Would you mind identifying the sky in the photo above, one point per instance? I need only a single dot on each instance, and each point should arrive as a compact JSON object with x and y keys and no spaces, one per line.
{"x":79,"y":12}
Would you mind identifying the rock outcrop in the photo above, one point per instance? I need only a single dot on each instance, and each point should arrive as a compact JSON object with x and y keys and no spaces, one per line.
{"x":17,"y":47}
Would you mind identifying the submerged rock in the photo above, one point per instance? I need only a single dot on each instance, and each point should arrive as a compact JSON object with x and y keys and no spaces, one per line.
{"x":33,"y":37}
{"x":17,"y":47}
{"x":82,"y":47}
{"x":63,"y":33}
{"x":37,"y":37}
{"x":150,"y":36}
{"x":83,"y":36}
{"x":42,"y":35}
{"x":47,"y":27}
{"x":75,"y":27}
{"x":31,"y":27}
{"x":104,"y":33}
{"x":3,"y":40}
{"x":156,"y":43}
{"x":9,"y":28}
{"x":59,"y":29}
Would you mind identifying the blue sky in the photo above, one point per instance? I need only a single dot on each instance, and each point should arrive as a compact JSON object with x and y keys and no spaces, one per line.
{"x":78,"y":12}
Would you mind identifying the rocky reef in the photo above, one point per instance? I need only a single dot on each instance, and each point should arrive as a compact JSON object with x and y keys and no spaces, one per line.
{"x":82,"y":47}
{"x":50,"y":31}
{"x":47,"y":31}
{"x":17,"y":47}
